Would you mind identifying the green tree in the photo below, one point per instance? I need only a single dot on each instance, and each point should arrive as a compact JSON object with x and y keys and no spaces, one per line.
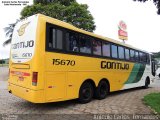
{"x":156,"y":54}
{"x":63,"y":2}
{"x":2,"y":61}
{"x":156,"y":2}
{"x":8,"y":33}
{"x":66,"y":10}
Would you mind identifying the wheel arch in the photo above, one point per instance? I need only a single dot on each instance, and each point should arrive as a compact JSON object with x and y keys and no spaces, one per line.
{"x":107,"y":81}
{"x":89,"y":81}
{"x":148,"y":79}
{"x":81,"y":95}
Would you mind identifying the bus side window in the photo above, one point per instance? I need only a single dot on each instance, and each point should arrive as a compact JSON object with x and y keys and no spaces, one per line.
{"x":114,"y":51}
{"x":97,"y":47}
{"x":106,"y":49}
{"x":145,"y":57}
{"x":136,"y":56}
{"x":72,"y":42}
{"x":55,"y":38}
{"x":132,"y":55}
{"x":141,"y":56}
{"x":127,"y":56}
{"x":121,"y":52}
{"x":59,"y":39}
{"x":52,"y":39}
{"x":85,"y":44}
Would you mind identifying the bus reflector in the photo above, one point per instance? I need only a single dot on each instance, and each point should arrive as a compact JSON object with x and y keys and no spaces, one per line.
{"x":34,"y":78}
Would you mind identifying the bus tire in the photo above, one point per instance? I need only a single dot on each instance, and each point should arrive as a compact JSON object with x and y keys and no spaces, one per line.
{"x":159,"y":75}
{"x":102,"y":90}
{"x":85,"y":93}
{"x":147,"y":82}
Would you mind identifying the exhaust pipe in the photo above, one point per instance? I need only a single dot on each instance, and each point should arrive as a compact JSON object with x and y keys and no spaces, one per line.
{"x":10,"y":91}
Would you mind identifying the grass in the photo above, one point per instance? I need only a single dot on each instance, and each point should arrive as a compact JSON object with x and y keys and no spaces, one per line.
{"x":153,"y":100}
{"x":4,"y":65}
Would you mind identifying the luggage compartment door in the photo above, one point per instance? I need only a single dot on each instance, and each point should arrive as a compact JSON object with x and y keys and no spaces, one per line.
{"x":55,"y":85}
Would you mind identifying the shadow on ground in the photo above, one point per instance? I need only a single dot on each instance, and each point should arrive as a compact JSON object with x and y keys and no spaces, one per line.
{"x":69,"y":103}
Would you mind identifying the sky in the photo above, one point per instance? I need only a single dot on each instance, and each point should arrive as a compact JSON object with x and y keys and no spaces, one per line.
{"x":141,"y":19}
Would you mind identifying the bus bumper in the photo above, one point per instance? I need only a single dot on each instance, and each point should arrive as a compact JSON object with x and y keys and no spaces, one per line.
{"x":34,"y":96}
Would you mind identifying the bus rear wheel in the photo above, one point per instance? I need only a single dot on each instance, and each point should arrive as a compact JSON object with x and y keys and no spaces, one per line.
{"x":85,"y":93}
{"x":102,"y":90}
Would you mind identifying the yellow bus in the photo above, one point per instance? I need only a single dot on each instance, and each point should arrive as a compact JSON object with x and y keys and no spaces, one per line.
{"x":52,"y":60}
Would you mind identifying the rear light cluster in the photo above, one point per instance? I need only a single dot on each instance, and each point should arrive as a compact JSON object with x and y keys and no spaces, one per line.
{"x":34,"y":78}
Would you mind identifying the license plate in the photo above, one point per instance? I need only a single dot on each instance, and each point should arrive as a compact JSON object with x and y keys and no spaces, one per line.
{"x":21,"y":78}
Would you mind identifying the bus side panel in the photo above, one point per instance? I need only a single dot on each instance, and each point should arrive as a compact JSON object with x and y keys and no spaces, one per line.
{"x":116,"y":80}
{"x":138,"y":76}
{"x":55,"y":86}
{"x":84,"y":68}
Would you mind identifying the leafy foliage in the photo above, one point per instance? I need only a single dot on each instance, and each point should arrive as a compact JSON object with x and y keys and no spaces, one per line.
{"x":66,"y":10}
{"x":2,"y":61}
{"x":156,"y":57}
{"x":156,"y":2}
{"x":156,"y":54}
{"x":63,"y":2}
{"x":9,"y":32}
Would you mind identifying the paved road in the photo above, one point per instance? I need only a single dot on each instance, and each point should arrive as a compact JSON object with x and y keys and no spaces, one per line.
{"x":3,"y":73}
{"x":123,"y":102}
{"x":3,"y":77}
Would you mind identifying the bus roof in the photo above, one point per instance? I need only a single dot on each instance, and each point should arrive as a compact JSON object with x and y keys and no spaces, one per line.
{"x":71,"y":27}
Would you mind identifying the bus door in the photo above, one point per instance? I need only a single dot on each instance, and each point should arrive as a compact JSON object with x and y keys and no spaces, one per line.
{"x":153,"y":68}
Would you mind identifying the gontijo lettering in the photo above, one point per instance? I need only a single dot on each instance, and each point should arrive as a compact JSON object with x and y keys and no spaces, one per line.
{"x":114,"y":65}
{"x":25,"y":44}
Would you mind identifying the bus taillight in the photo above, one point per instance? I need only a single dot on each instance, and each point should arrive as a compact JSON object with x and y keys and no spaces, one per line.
{"x":34,"y":78}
